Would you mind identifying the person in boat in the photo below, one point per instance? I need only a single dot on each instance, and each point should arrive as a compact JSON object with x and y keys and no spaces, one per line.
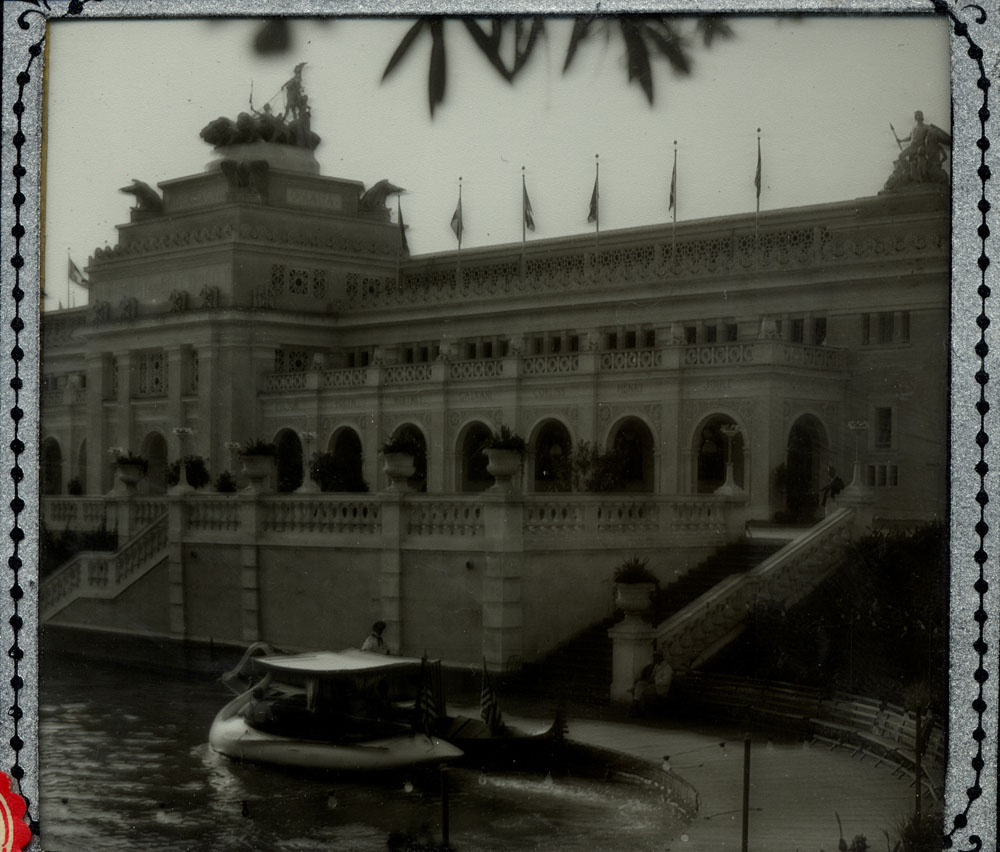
{"x":374,"y":642}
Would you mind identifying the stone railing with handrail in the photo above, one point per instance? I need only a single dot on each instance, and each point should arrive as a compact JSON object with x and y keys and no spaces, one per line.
{"x":93,"y":574}
{"x":453,"y":518}
{"x":577,"y":518}
{"x":703,"y":627}
{"x":112,"y":511}
{"x":327,"y":514}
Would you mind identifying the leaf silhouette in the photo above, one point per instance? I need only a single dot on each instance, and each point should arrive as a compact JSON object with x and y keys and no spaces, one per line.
{"x":438,"y":67}
{"x":403,"y":46}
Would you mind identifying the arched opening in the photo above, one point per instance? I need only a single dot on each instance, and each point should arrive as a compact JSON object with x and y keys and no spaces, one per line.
{"x":411,"y":433}
{"x":553,"y":457}
{"x":154,"y":450}
{"x":289,"y":459}
{"x":81,"y":467}
{"x":712,"y":447}
{"x":803,"y":475}
{"x":473,"y":475}
{"x":632,"y":445}
{"x":50,"y":464}
{"x":340,"y":467}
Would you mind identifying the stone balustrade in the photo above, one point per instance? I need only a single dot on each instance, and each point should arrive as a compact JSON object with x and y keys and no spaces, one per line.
{"x":85,"y":514}
{"x":692,"y":635}
{"x":104,"y":575}
{"x":322,"y":513}
{"x":453,"y":518}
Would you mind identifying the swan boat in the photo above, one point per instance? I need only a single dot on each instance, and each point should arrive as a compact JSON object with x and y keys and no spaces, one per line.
{"x":338,"y":710}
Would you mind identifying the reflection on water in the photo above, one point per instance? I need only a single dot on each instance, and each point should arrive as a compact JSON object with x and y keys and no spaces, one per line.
{"x":126,"y":765}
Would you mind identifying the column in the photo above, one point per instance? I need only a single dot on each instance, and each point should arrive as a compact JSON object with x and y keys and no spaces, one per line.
{"x":175,"y":567}
{"x":98,"y":463}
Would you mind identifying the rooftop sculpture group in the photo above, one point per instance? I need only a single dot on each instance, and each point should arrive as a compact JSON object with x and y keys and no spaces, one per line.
{"x":921,"y":161}
{"x":292,"y":127}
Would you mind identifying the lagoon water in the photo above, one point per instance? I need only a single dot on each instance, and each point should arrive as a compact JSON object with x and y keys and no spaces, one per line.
{"x":126,"y":766}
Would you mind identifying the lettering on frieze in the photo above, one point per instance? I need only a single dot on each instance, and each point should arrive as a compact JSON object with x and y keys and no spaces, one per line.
{"x":314,"y":198}
{"x":475,"y":396}
{"x":630,"y":388}
{"x":549,"y":393}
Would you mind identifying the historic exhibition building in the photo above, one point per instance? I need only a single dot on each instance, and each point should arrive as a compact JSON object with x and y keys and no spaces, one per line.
{"x":673,"y":387}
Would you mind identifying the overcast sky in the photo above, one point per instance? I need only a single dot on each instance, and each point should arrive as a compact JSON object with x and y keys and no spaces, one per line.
{"x":128,"y":100}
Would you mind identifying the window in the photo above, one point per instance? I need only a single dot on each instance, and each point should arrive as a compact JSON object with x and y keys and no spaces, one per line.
{"x":556,"y":344}
{"x":798,"y":331}
{"x":408,"y":355}
{"x":711,"y":334}
{"x":885,"y":327}
{"x":904,"y":322}
{"x":574,"y":343}
{"x":424,"y":354}
{"x":882,"y":475}
{"x":819,"y":330}
{"x":470,"y":351}
{"x":504,"y":346}
{"x":690,"y":335}
{"x":883,"y":428}
{"x":866,"y":329}
{"x":732,"y":332}
{"x":488,"y":349}
{"x":650,"y":341}
{"x":630,"y":340}
{"x":612,"y":340}
{"x":539,"y":345}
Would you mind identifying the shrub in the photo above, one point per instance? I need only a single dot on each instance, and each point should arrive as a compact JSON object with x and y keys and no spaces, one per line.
{"x":505,"y":439}
{"x":635,"y":569}
{"x":258,"y":447}
{"x":134,"y":459}
{"x":403,"y":443}
{"x":225,"y":483}
{"x":334,"y":474}
{"x":195,"y":471}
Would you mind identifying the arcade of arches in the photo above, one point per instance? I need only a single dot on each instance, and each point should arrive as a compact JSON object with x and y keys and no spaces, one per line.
{"x":552,"y":461}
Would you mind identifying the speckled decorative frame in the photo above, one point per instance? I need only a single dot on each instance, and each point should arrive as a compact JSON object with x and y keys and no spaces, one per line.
{"x":971,"y":793}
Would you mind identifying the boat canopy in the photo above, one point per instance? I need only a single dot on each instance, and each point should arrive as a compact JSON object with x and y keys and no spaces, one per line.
{"x":333,"y":664}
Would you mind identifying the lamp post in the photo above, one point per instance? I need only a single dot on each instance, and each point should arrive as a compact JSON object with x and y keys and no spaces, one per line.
{"x":857,"y":427}
{"x":729,"y":488}
{"x":309,"y":485}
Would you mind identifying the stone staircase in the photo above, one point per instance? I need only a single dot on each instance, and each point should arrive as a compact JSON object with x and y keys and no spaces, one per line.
{"x":580,"y":669}
{"x":99,"y":574}
{"x":702,"y":612}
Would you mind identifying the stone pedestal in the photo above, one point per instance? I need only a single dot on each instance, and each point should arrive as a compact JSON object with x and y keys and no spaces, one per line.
{"x":632,"y":651}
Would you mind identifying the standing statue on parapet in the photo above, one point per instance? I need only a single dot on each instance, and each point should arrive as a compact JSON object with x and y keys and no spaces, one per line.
{"x":921,"y":161}
{"x":295,"y":99}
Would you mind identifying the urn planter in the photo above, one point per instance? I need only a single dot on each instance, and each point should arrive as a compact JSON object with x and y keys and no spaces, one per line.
{"x":503,"y":466}
{"x":634,"y":599}
{"x":399,"y":467}
{"x":258,"y":469}
{"x":129,"y":475}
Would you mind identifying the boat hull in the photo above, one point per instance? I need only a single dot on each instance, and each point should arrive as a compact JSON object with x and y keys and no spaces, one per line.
{"x":232,"y":736}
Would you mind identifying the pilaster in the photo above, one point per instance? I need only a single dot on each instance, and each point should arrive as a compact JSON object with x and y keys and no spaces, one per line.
{"x":393,"y":513}
{"x":175,"y":567}
{"x":503,"y":613}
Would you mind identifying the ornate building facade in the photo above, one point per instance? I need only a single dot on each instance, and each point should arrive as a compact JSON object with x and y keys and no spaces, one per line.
{"x":269,"y":301}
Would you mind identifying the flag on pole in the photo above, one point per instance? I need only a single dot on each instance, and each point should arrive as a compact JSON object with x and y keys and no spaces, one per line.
{"x":76,"y":276}
{"x":402,"y":228}
{"x":456,"y":217}
{"x":427,"y":709}
{"x":756,"y":180}
{"x":592,"y":216}
{"x":489,"y":708}
{"x":529,"y":216}
{"x":673,"y":186}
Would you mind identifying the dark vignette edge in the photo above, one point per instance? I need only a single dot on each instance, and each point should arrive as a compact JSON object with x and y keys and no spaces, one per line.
{"x":41,"y":8}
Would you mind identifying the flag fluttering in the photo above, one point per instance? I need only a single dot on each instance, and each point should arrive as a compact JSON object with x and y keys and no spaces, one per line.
{"x":456,"y":218}
{"x":402,"y":228}
{"x":76,"y":276}
{"x":427,"y":709}
{"x":595,"y":196}
{"x":756,"y":180}
{"x":489,"y":708}
{"x":673,"y":185}
{"x":529,"y":216}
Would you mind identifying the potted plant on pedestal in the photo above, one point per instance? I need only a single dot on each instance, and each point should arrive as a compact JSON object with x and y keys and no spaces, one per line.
{"x":398,"y":456}
{"x":505,"y":451}
{"x":130,"y":468}
{"x":257,"y":458}
{"x":187,"y":473}
{"x":634,"y":586}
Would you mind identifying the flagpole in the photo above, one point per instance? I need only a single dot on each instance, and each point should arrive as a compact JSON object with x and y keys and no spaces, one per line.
{"x":68,"y":291}
{"x":524,"y":219}
{"x":597,"y":196}
{"x":399,"y":251}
